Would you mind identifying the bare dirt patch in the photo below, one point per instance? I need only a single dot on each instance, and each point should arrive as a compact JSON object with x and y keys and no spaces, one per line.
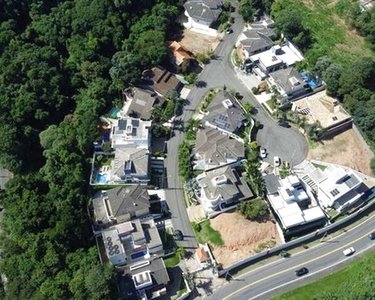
{"x":241,"y":237}
{"x":345,"y":149}
{"x":197,"y":42}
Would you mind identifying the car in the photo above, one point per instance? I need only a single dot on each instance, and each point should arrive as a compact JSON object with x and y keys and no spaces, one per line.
{"x":283,"y":123}
{"x":349,"y":251}
{"x":263,"y":152}
{"x":372,"y":236}
{"x":229,"y":30}
{"x":276,"y":161}
{"x":302,"y":271}
{"x":179,"y":235}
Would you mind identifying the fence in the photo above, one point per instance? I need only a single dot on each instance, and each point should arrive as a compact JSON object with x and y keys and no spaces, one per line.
{"x":300,"y":241}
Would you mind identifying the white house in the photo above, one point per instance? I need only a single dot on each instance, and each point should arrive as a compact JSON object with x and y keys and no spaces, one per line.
{"x":131,"y":132}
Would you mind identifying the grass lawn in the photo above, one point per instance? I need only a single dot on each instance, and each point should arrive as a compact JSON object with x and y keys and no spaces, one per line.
{"x":333,"y":37}
{"x":171,"y":261}
{"x":321,"y":167}
{"x":235,"y":59}
{"x":207,"y":234}
{"x":271,"y":103}
{"x":183,"y":289}
{"x":336,"y":283}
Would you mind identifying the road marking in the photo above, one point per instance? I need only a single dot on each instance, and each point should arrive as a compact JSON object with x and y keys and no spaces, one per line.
{"x":297,"y":266}
{"x":310,"y":274}
{"x":301,"y":252}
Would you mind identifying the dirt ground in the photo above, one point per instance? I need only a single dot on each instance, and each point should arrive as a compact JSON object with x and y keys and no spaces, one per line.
{"x":344,"y":149}
{"x":197,"y":42}
{"x":241,"y":237}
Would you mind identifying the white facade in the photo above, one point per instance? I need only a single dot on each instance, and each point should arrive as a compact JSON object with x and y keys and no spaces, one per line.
{"x":200,"y":27}
{"x":131,"y":132}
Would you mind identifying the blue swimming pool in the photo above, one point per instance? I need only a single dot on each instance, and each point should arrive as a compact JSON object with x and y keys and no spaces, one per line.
{"x":114,"y":112}
{"x":138,"y":255}
{"x":101,"y":178}
{"x":311,"y":82}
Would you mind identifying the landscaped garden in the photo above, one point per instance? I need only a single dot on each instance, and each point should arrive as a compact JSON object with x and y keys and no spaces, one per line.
{"x":206,"y":234}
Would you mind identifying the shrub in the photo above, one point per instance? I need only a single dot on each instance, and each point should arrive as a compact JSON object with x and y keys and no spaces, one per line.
{"x":253,"y":210}
{"x":255,"y":90}
{"x":196,"y":226}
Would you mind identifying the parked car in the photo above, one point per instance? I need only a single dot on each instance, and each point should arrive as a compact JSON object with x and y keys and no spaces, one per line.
{"x":283,"y":123}
{"x":229,"y":30}
{"x":178,"y":234}
{"x":276,"y":161}
{"x":302,"y":271}
{"x":263,"y":153}
{"x":372,"y":236}
{"x":349,"y":251}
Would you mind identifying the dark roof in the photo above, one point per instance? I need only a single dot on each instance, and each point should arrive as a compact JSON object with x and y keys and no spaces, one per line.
{"x":142,"y":103}
{"x":124,"y":200}
{"x":204,"y":10}
{"x":157,"y":271}
{"x":289,"y":79}
{"x":256,"y":42}
{"x":224,"y":118}
{"x":272,"y":183}
{"x":164,"y":81}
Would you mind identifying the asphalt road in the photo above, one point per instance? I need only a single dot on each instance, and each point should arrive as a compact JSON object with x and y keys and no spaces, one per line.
{"x":278,"y":277}
{"x":288,"y":144}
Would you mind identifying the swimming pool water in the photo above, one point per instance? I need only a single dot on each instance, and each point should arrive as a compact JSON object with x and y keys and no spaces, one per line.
{"x":309,"y":80}
{"x":101,"y":178}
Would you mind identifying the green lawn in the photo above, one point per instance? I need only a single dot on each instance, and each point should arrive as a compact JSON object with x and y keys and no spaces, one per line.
{"x":271,"y":103}
{"x":208,"y":234}
{"x":353,"y":282}
{"x":321,"y":167}
{"x":326,"y":20}
{"x":171,"y":261}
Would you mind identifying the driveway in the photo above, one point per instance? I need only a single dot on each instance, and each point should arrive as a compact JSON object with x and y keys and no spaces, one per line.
{"x":289,"y":144}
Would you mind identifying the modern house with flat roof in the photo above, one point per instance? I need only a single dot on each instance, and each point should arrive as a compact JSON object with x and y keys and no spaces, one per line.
{"x":221,"y":188}
{"x":214,"y":149}
{"x":225,"y":115}
{"x":202,"y":14}
{"x":289,"y":83}
{"x":335,"y":187}
{"x":277,"y":57}
{"x":294,"y":208}
{"x":141,"y":103}
{"x":120,"y":205}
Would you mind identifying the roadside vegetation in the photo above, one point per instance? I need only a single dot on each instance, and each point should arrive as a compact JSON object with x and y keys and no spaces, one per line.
{"x":353,"y":282}
{"x":62,"y":65}
{"x":206,"y":234}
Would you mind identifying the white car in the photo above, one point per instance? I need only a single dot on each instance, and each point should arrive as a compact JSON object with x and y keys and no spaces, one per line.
{"x":349,"y":251}
{"x":263,"y":152}
{"x":276,"y":161}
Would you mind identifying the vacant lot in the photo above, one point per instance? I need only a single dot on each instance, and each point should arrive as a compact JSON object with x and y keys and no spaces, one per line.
{"x":344,"y":149}
{"x":197,"y":42}
{"x":207,"y":234}
{"x":241,"y":237}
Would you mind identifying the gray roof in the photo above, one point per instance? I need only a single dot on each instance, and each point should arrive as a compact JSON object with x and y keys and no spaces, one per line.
{"x":130,"y":161}
{"x":256,"y":41}
{"x":157,"y":270}
{"x":228,"y":119}
{"x":234,"y":188}
{"x":204,"y":10}
{"x":272,"y":183}
{"x":124,"y":200}
{"x":142,"y":103}
{"x":262,"y":31}
{"x":289,"y":79}
{"x":216,"y":148}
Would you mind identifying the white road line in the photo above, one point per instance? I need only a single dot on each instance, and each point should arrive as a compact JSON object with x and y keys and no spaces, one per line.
{"x":310,"y":274}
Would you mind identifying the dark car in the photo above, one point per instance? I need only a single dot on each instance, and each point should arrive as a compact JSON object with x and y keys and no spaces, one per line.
{"x":229,"y":30}
{"x":283,"y":123}
{"x":179,"y":235}
{"x":372,"y":236}
{"x":302,"y":271}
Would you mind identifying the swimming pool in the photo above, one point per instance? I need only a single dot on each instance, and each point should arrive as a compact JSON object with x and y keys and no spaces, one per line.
{"x":113,"y":113}
{"x":311,"y":82}
{"x":101,"y":178}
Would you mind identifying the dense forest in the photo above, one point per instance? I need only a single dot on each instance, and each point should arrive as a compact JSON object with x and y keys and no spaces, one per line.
{"x":62,"y":63}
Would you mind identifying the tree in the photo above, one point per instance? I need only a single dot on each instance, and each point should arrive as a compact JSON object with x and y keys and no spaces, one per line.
{"x":246,"y":10}
{"x":180,"y":252}
{"x":331,"y":77}
{"x":125,"y":70}
{"x":254,"y":210}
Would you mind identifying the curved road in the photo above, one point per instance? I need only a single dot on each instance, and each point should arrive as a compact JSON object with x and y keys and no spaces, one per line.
{"x":287,"y":143}
{"x":279,"y":277}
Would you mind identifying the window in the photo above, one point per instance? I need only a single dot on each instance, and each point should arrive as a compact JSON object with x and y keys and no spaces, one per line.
{"x":335,"y":192}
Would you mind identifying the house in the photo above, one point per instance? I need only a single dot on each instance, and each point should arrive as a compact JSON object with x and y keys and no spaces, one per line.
{"x":133,"y":241}
{"x":254,"y":42}
{"x":202,"y":14}
{"x":164,"y":81}
{"x":149,"y":278}
{"x":225,"y":115}
{"x":131,"y":132}
{"x":295,"y":209}
{"x":326,"y":110}
{"x":335,"y":187}
{"x":221,"y":188}
{"x":141,"y":103}
{"x":288,"y":82}
{"x":120,"y":205}
{"x":181,"y":59}
{"x":274,"y":59}
{"x":130,"y":165}
{"x":214,"y":149}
